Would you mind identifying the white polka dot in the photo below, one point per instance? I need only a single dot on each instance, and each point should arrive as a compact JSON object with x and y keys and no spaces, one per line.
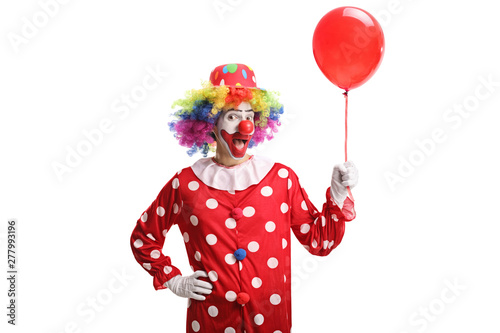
{"x":167,"y":269}
{"x":186,"y":237}
{"x":284,"y":243}
{"x":213,"y":311}
{"x":144,"y":217}
{"x":325,"y":244}
{"x":155,"y":254}
{"x":266,"y":191}
{"x":284,"y":278}
{"x":258,"y":319}
{"x":330,"y":244}
{"x":335,"y":218}
{"x":240,"y":265}
{"x":272,"y":262}
{"x":256,"y":282}
{"x":280,"y":331}
{"x":289,"y":183}
{"x":230,"y":258}
{"x":194,"y":220}
{"x":150,"y":236}
{"x":213,"y":276}
{"x":195,"y":325}
{"x":197,"y":255}
{"x":231,"y":223}
{"x":305,"y":228}
{"x":212,"y":203}
{"x":275,"y":299}
{"x":303,"y":205}
{"x":253,"y":78}
{"x":147,"y":266}
{"x":270,"y":226}
{"x":175,"y":183}
{"x":221,"y":83}
{"x":323,"y":221}
{"x":175,"y":208}
{"x":314,"y":244}
{"x":283,"y":173}
{"x":229,"y":330}
{"x":284,"y":207}
{"x":248,"y":211}
{"x":164,"y":232}
{"x":194,"y":185}
{"x":231,"y":296}
{"x":138,"y":243}
{"x":160,"y":211}
{"x":253,"y":246}
{"x":211,"y":239}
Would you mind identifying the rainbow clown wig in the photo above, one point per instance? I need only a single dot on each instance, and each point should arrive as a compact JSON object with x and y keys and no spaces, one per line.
{"x":229,"y":86}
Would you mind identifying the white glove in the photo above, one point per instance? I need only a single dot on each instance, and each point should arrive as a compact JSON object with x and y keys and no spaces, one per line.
{"x":190,"y":286}
{"x":343,"y":175}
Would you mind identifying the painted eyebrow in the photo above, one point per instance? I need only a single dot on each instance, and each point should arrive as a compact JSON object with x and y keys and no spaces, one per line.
{"x":240,"y":110}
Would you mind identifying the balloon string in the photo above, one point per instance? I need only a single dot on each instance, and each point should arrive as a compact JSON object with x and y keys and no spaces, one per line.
{"x":345,"y":139}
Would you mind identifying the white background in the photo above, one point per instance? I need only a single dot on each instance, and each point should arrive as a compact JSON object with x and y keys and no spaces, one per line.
{"x":437,"y":225}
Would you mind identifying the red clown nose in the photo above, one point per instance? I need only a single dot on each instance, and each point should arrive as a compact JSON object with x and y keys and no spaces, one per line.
{"x":245,"y":127}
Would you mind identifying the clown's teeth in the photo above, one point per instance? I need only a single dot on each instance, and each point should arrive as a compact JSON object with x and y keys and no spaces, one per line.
{"x":239,"y":144}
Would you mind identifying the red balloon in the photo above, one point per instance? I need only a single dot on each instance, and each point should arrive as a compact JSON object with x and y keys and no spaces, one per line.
{"x":348,"y":46}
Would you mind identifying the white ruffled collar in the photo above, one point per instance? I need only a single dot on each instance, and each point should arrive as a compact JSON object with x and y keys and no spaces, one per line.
{"x":237,"y":178}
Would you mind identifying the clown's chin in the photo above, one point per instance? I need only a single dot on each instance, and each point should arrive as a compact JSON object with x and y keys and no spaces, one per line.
{"x":238,"y":149}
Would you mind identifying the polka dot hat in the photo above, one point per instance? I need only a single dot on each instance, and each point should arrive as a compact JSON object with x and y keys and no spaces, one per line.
{"x":233,"y":75}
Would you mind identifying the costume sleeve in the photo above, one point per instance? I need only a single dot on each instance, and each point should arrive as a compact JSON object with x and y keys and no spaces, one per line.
{"x":319,"y":232}
{"x":149,"y":233}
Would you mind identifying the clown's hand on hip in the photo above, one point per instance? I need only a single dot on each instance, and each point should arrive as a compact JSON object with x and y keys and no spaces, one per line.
{"x":190,"y":286}
{"x":343,"y":175}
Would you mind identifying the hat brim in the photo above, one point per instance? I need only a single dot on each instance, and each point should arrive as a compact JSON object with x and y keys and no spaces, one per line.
{"x":233,"y":86}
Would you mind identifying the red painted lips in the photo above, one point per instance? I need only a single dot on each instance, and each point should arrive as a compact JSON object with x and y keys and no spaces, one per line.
{"x":237,"y":143}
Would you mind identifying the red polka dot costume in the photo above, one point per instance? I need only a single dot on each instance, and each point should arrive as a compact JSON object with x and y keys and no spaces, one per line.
{"x":236,"y":224}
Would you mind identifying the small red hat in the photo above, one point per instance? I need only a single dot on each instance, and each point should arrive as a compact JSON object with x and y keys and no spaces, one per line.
{"x":233,"y":75}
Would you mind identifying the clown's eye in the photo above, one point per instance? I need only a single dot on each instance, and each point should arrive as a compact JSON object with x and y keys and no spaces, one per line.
{"x":249,"y":118}
{"x":232,"y":117}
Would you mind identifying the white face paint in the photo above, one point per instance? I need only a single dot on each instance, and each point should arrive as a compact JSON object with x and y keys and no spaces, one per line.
{"x":233,"y":136}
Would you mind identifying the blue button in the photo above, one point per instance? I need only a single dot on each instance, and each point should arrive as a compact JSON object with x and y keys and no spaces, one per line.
{"x":240,"y":254}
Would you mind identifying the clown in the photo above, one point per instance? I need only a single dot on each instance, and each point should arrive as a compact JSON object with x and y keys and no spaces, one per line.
{"x":236,"y":211}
